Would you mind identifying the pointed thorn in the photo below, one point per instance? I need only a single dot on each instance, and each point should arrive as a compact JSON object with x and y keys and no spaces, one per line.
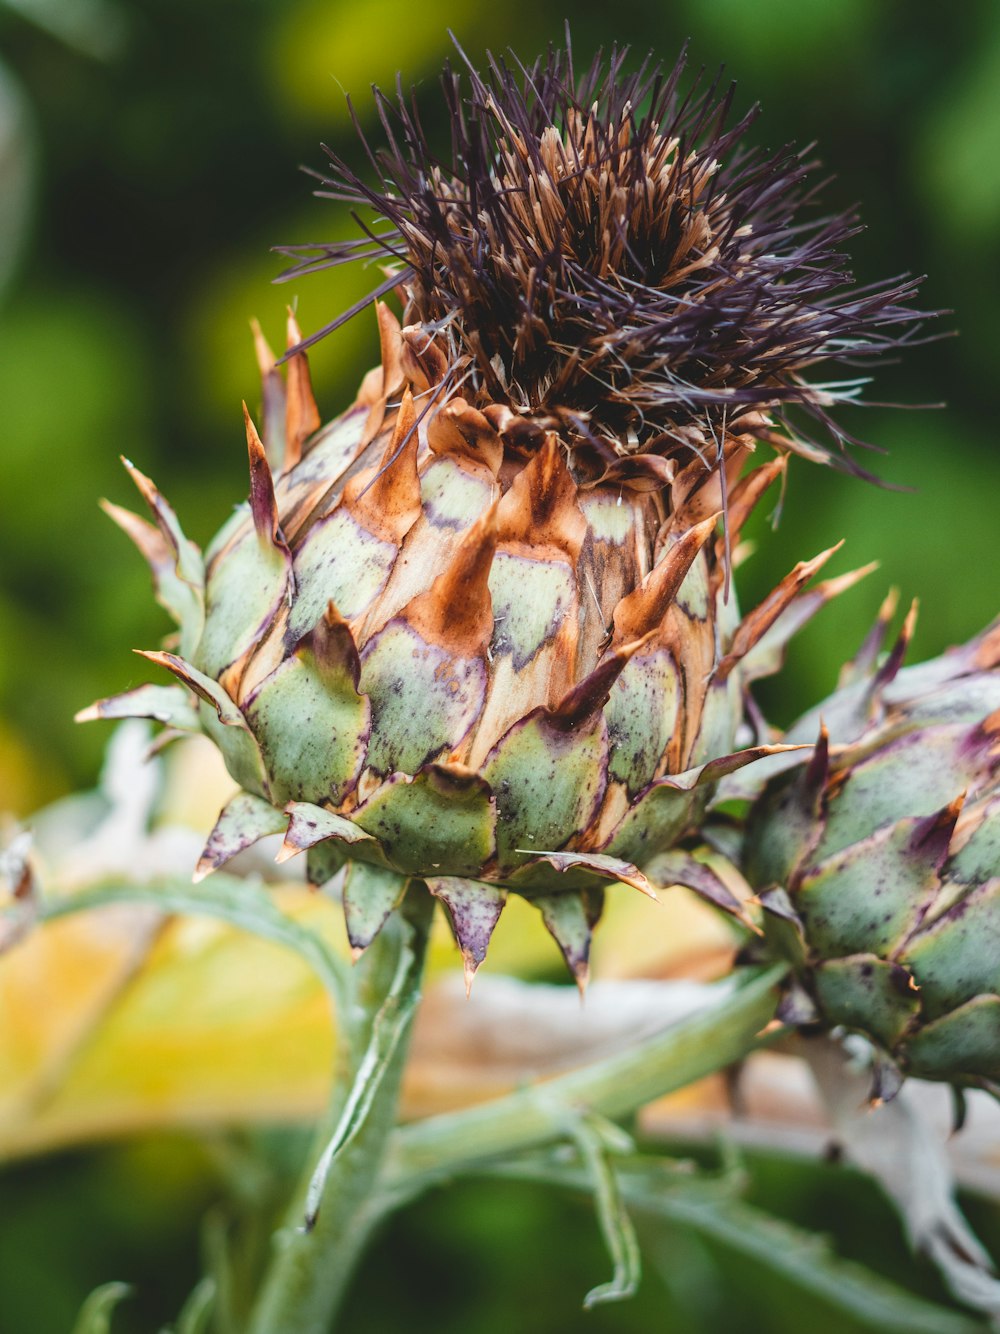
{"x":145,"y":485}
{"x":332,"y":644}
{"x":889,"y":604}
{"x":611,"y":868}
{"x":581,"y":976}
{"x":887,"y":672}
{"x":388,"y":501}
{"x":592,"y":693}
{"x":293,"y":334}
{"x":391,"y":348}
{"x":840,"y":583}
{"x":646,"y":889}
{"x":571,"y":926}
{"x":818,"y":767}
{"x":422,"y":359}
{"x":263,"y":505}
{"x":473,"y":911}
{"x":934,"y":833}
{"x":643,"y":610}
{"x":757,"y":622}
{"x":265,"y":357}
{"x":302,"y":417}
{"x":866,"y":657}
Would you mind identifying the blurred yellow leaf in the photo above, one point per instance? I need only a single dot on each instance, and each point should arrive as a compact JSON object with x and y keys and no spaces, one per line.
{"x":120,"y":1020}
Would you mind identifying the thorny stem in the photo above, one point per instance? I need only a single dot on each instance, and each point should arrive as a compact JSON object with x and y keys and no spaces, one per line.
{"x":707,"y":1040}
{"x":310,"y":1273}
{"x":310,"y":1270}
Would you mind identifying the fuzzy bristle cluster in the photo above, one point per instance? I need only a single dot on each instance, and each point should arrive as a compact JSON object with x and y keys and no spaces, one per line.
{"x":604,"y":254}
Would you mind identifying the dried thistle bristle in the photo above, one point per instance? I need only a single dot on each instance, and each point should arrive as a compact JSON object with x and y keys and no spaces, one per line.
{"x":605,"y":256}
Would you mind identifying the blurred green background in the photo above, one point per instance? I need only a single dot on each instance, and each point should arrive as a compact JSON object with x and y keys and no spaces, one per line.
{"x":149,"y":158}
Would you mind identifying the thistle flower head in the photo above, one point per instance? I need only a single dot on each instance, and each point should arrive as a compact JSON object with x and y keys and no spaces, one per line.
{"x":477,"y":633}
{"x":606,"y":255}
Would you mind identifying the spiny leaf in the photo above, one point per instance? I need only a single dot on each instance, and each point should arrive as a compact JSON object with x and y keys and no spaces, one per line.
{"x":243,"y":821}
{"x":370,"y":895}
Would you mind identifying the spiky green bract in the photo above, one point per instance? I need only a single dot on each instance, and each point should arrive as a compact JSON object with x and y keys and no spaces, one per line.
{"x":478,"y":632}
{"x":433,"y":648}
{"x":879,"y":865}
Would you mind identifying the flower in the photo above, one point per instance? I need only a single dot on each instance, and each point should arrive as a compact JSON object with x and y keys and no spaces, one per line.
{"x":478,"y":632}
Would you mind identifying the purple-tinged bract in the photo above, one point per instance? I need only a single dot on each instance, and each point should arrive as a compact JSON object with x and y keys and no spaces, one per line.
{"x":878,"y":863}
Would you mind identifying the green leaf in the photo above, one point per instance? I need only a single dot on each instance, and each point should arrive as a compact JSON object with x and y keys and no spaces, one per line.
{"x":616,"y":1226}
{"x":311,"y":724}
{"x":438,"y":818}
{"x":547,"y":781}
{"x":370,"y":894}
{"x":243,"y":592}
{"x":95,"y":1314}
{"x":219,"y":1262}
{"x":243,"y":821}
{"x":242,"y":903}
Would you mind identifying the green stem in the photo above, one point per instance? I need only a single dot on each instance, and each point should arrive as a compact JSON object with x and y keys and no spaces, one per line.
{"x":310,"y":1270}
{"x":706,"y":1041}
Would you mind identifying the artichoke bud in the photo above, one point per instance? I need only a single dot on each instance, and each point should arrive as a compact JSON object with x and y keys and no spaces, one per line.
{"x":878,"y":864}
{"x":477,"y":631}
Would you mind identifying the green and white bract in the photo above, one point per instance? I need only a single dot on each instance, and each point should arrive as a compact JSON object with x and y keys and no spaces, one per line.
{"x":446,"y":648}
{"x":879,"y":865}
{"x":478,"y":631}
